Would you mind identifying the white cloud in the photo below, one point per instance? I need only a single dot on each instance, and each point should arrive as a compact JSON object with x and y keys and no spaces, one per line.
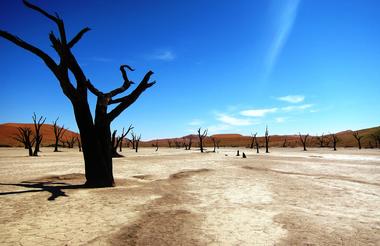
{"x":163,"y":55}
{"x":295,"y":108}
{"x":195,"y":122}
{"x":258,"y":112}
{"x":285,"y":22}
{"x":233,"y":120}
{"x":280,"y":119}
{"x":213,"y":129}
{"x":292,"y":98}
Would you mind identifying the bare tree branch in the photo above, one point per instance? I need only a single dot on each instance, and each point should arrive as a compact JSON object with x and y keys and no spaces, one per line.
{"x":78,"y":37}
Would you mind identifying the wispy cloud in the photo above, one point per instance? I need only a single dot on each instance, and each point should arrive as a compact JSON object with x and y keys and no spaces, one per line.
{"x":258,"y":112}
{"x":295,"y":108}
{"x":163,"y":55}
{"x":233,"y":121}
{"x":213,"y":129}
{"x":195,"y":122}
{"x":280,"y":119}
{"x":292,"y":98}
{"x":285,"y":22}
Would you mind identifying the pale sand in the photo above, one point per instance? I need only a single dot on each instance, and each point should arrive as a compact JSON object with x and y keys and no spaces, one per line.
{"x":178,"y":197}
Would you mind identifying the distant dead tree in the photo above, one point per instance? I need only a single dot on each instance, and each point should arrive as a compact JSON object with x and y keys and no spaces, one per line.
{"x":201,"y":137}
{"x":37,"y":135}
{"x":376,"y":138}
{"x":253,"y":137}
{"x":24,"y":136}
{"x":137,"y":141}
{"x":256,"y":143}
{"x":79,"y":144}
{"x":177,"y":144}
{"x":214,"y":143}
{"x":358,"y":138}
{"x":95,"y":131}
{"x":321,"y":140}
{"x":267,"y":137}
{"x":156,"y":145}
{"x":285,"y":142}
{"x":335,"y":140}
{"x":169,"y":143}
{"x":71,"y":141}
{"x":59,"y":131}
{"x":116,"y":142}
{"x":188,"y":143}
{"x":303,"y":140}
{"x":123,"y":135}
{"x":133,"y":140}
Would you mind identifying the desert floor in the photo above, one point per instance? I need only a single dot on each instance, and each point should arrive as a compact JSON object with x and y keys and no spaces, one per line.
{"x":178,"y":197}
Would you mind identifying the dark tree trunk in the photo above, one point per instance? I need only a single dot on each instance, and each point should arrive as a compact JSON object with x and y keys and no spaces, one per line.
{"x":267,"y":140}
{"x":304,"y":141}
{"x":358,"y":139}
{"x":201,"y":136}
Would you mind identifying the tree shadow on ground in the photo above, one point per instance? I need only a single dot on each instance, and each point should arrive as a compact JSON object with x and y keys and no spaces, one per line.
{"x":54,"y":188}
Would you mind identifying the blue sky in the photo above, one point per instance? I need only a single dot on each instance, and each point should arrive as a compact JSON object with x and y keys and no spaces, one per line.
{"x":230,"y":66}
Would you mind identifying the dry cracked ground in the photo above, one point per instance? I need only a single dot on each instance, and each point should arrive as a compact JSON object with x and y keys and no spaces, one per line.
{"x":178,"y":197}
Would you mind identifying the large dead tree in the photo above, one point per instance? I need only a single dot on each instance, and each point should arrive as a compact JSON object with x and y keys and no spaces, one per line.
{"x":24,"y":136}
{"x":59,"y":131}
{"x":95,"y":133}
{"x":267,"y":138}
{"x":303,"y":139}
{"x":358,"y":138}
{"x":201,"y":137}
{"x":37,"y":132}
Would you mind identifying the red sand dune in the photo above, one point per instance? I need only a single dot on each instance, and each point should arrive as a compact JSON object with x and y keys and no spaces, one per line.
{"x":8,"y":131}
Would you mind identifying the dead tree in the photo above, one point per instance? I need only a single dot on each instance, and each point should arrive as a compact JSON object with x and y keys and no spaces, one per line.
{"x":58,"y":134}
{"x":256,"y":143}
{"x":214,"y":142}
{"x":117,"y":141}
{"x":376,"y":138}
{"x":121,"y":138}
{"x":285,"y":142}
{"x":37,"y":135}
{"x":358,"y":138}
{"x":303,"y":140}
{"x":71,"y":141}
{"x":335,"y":140}
{"x":321,"y":140}
{"x":188,"y":144}
{"x":201,"y":136}
{"x":253,"y":137}
{"x":79,"y":144}
{"x":267,"y":137}
{"x":24,"y":136}
{"x":156,"y":145}
{"x":169,"y":143}
{"x":132,"y":140}
{"x":137,"y":141}
{"x":95,"y":134}
{"x":177,"y":144}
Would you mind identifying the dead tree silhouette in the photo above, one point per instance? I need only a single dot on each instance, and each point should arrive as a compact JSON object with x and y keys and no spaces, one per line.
{"x":137,"y":141}
{"x":24,"y":136}
{"x":121,"y":138}
{"x":71,"y":141}
{"x":201,"y":136}
{"x":253,"y":137}
{"x":335,"y":140}
{"x":285,"y":142}
{"x":303,"y":140}
{"x":133,"y":140}
{"x":256,"y":143}
{"x":321,"y":140}
{"x":95,"y":134}
{"x":117,"y":141}
{"x":358,"y":138}
{"x":59,"y":131}
{"x":376,"y":138}
{"x":267,"y":137}
{"x":214,"y":143}
{"x":37,"y":135}
{"x":156,"y":145}
{"x":79,"y":144}
{"x":169,"y":143}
